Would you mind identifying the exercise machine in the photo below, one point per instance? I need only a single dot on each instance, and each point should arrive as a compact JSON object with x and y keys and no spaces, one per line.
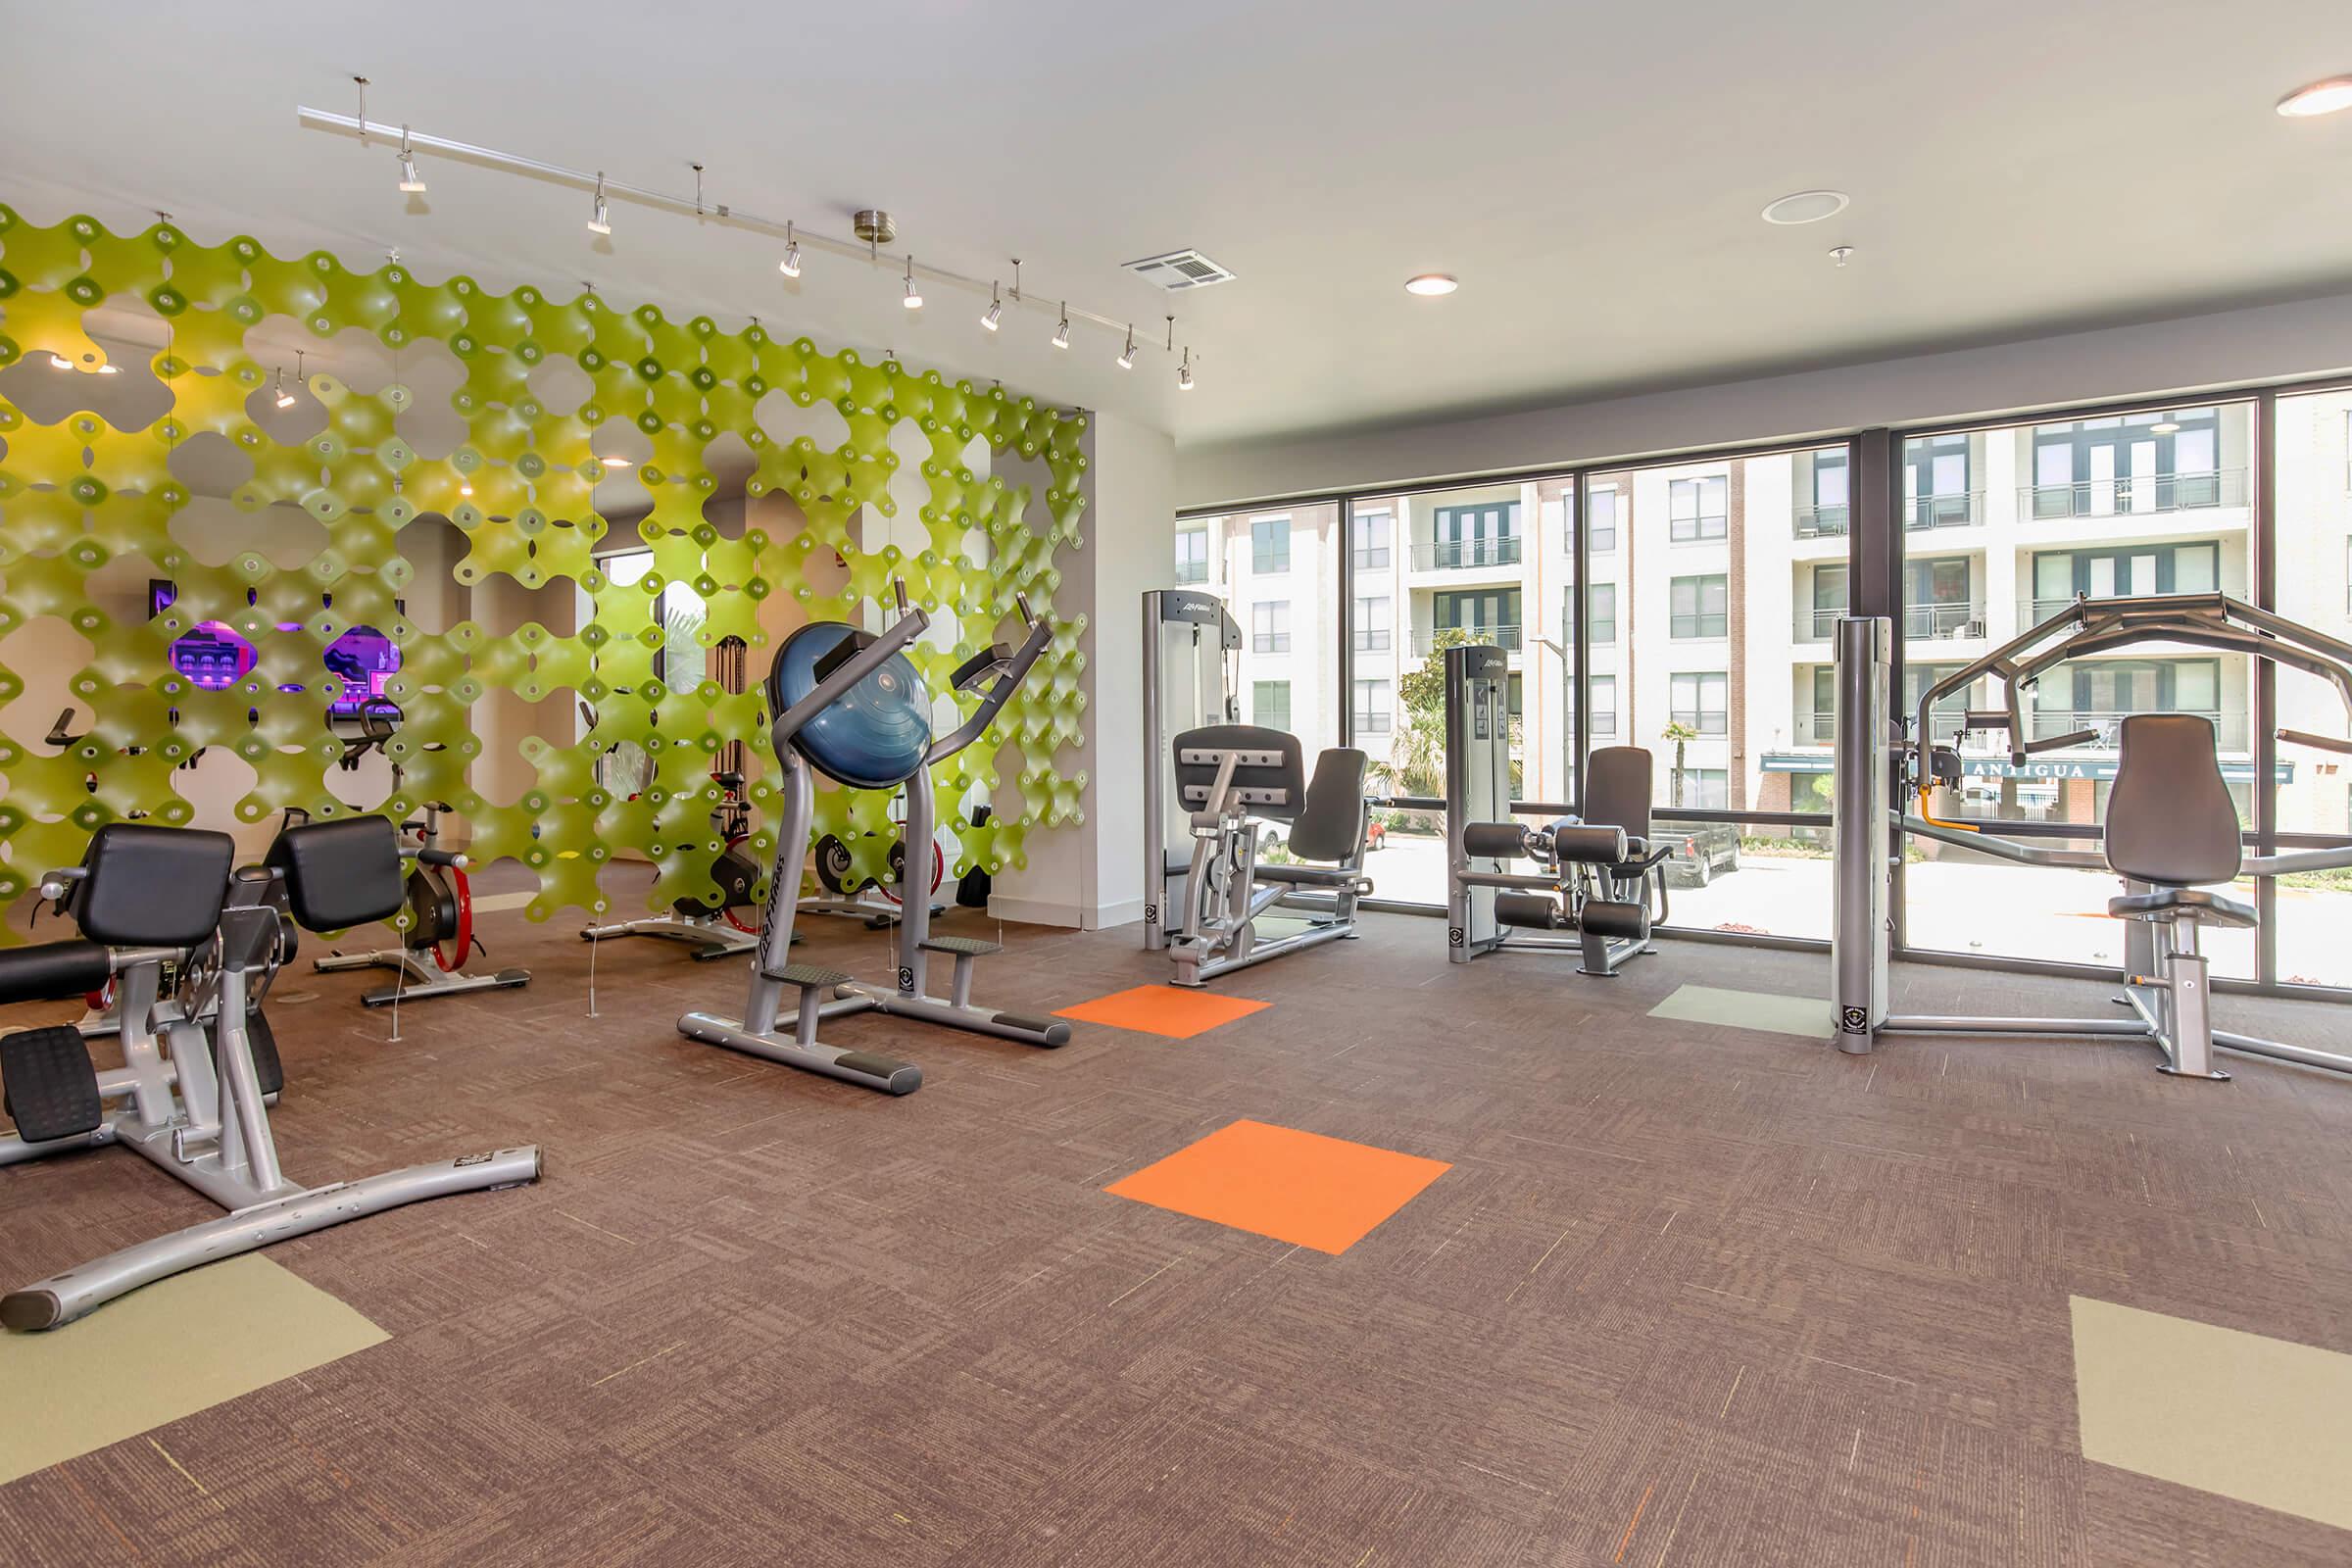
{"x":2171,"y":830}
{"x":192,"y":1100}
{"x":438,"y":902}
{"x":1212,"y":785}
{"x":1601,"y":883}
{"x":870,"y":900}
{"x":719,"y":927}
{"x":849,"y":704}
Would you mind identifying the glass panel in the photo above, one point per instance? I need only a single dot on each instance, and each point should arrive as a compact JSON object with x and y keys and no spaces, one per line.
{"x":2091,"y":506}
{"x":1485,"y":564}
{"x":1279,"y":575}
{"x":2313,"y":925}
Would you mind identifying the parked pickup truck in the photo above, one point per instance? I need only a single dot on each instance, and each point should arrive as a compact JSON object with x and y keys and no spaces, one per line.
{"x":1702,"y":850}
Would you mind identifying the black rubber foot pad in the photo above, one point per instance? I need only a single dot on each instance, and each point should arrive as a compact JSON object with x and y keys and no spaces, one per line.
{"x":1056,"y":1032}
{"x":51,"y":1084}
{"x":27,"y":1311}
{"x":899,"y":1077}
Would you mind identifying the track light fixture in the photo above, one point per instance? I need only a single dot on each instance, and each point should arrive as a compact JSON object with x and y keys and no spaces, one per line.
{"x":994,"y":318}
{"x":1062,"y":333}
{"x":790,"y":266}
{"x":1184,"y":371}
{"x":914,"y":299}
{"x":285,"y":399}
{"x":602,"y":223}
{"x":1127,"y":354}
{"x":410,"y":182}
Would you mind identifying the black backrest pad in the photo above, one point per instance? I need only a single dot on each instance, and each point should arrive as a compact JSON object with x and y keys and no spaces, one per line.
{"x":1278,"y":792}
{"x":1617,"y":788}
{"x":340,"y":874}
{"x":1332,"y":826}
{"x":2169,"y":819}
{"x":153,"y":887}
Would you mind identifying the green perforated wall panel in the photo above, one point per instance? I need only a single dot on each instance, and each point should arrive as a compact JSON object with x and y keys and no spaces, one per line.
{"x":77,"y":493}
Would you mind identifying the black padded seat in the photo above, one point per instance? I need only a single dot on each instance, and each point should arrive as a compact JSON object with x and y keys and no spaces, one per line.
{"x":2170,"y":818}
{"x":1330,"y":825}
{"x":340,"y":874}
{"x":54,"y":971}
{"x":153,"y":887}
{"x":2184,"y":904}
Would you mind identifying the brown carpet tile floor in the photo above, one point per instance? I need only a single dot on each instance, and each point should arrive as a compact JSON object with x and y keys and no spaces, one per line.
{"x":1690,"y":1295}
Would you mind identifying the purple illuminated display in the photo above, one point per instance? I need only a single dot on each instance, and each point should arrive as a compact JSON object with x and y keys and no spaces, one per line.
{"x":214,"y":656}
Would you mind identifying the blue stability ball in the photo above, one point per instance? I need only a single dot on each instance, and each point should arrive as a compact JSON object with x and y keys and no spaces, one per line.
{"x":873,"y":735}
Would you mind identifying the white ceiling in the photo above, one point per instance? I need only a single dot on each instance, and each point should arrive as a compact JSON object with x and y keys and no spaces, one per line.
{"x":1592,"y":174}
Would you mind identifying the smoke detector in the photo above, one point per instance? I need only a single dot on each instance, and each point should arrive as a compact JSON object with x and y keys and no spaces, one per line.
{"x":1179,"y":271}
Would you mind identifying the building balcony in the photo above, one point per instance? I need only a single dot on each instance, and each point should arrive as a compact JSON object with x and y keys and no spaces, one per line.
{"x":2033,"y":611}
{"x":1957,"y":508}
{"x":1823,"y":522}
{"x":2132,"y":496}
{"x":1820,"y":728}
{"x":1425,"y":638}
{"x":1921,"y":623}
{"x":2230,"y":729}
{"x":1466,"y":555}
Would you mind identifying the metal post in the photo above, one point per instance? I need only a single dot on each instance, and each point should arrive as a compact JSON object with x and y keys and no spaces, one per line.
{"x":1862,"y":775}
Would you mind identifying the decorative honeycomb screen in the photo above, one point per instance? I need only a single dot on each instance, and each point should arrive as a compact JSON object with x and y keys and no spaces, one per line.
{"x":521,"y":487}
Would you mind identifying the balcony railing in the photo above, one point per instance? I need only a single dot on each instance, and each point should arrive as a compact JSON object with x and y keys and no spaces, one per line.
{"x":1821,"y":728}
{"x":1955,"y":509}
{"x":1425,"y":638}
{"x":2033,"y":611}
{"x":2133,"y":495}
{"x":1920,"y":621}
{"x":2229,"y":728}
{"x":1447,"y":555}
{"x":1188,"y":571}
{"x":1371,"y":723}
{"x":1823,"y":522}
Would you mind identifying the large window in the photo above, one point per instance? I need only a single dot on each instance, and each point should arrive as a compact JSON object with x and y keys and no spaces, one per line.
{"x":2310,"y":919}
{"x":1372,"y":711}
{"x":2153,"y":567}
{"x":1374,"y":626}
{"x":1697,"y":508}
{"x":1270,"y":703}
{"x":1700,"y":703}
{"x":1270,"y":545}
{"x":1270,"y":626}
{"x":1373,"y":531}
{"x":1192,"y":555}
{"x":1701,"y":606}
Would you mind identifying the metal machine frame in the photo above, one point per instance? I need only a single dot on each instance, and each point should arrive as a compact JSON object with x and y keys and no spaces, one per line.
{"x":1190,"y":642}
{"x":190,"y":1102}
{"x":420,"y":980}
{"x":995,"y":674}
{"x":1881,"y":756}
{"x":1582,"y":887}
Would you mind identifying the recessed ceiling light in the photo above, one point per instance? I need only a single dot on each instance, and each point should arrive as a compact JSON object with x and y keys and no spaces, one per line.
{"x":1806,"y":206}
{"x":2320,"y":98}
{"x":1431,"y":284}
{"x":2165,"y":427}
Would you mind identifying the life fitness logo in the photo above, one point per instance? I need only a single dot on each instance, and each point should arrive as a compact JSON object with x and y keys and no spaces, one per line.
{"x":905,"y":978}
{"x":1151,"y":914}
{"x":1454,"y":936}
{"x":1854,"y":1021}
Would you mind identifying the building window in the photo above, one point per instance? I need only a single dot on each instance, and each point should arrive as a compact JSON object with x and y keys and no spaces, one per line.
{"x":1604,"y":612}
{"x":1939,"y":599}
{"x":1270,"y":622}
{"x":1701,"y":703}
{"x":1270,"y":545}
{"x":1270,"y":703}
{"x":2183,"y":568}
{"x":1373,"y":624}
{"x":1704,"y":788}
{"x":1830,"y":511}
{"x":1600,"y":518}
{"x":1485,"y":615}
{"x":1192,"y":555}
{"x":1701,"y":606}
{"x":1604,"y":707}
{"x":1697,"y":508}
{"x":1372,"y":533}
{"x":1935,"y":492}
{"x":2106,"y":690}
{"x":2134,"y":462}
{"x":1482,"y":535}
{"x":1371,"y":708}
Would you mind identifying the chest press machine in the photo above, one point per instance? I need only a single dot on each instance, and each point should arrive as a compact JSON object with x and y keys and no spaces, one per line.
{"x":2171,"y":830}
{"x":1208,"y":783}
{"x":1600,"y":875}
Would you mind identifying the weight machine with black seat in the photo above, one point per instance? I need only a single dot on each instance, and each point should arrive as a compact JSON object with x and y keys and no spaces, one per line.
{"x":199,"y":1064}
{"x":2171,"y":830}
{"x":1209,"y":781}
{"x":849,"y":705}
{"x":1602,"y":877}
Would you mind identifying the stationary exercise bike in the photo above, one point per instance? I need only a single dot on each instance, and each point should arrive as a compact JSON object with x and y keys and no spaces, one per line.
{"x":439,"y":901}
{"x":199,"y":1066}
{"x":848,"y":704}
{"x":714,"y":929}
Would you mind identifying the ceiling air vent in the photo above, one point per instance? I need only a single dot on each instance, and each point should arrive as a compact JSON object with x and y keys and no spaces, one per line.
{"x":1179,"y":271}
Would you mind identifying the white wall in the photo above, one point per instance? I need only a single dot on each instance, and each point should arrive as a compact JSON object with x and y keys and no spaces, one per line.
{"x":2276,"y":343}
{"x":1091,"y":874}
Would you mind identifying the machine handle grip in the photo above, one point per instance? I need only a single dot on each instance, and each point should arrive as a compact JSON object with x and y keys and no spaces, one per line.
{"x":993,"y":700}
{"x":898,"y":590}
{"x":439,"y":858}
{"x":2054,"y":743}
{"x":1020,"y":601}
{"x":2324,"y":743}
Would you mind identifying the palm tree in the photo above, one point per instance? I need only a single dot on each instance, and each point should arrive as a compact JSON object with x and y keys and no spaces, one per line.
{"x":1682,"y":735}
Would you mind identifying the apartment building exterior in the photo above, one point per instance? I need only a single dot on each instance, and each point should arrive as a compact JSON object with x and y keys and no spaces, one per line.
{"x":1716,"y":586}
